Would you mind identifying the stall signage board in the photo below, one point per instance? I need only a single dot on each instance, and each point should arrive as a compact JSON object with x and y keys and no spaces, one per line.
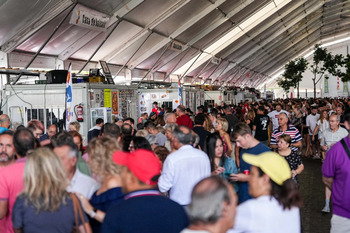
{"x":88,"y":18}
{"x":107,"y":72}
{"x":115,"y":103}
{"x":108,"y":98}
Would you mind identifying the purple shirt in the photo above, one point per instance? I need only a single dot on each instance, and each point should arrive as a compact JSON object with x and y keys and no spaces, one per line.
{"x":337,"y":166}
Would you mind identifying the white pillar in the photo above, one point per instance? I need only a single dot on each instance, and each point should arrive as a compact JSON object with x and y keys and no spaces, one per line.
{"x":4,"y":62}
{"x":128,"y":77}
{"x":59,"y":64}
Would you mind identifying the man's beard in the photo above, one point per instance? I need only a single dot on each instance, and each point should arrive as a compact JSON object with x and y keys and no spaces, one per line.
{"x":5,"y":157}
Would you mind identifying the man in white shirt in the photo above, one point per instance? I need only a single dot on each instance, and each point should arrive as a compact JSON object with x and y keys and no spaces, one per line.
{"x":311,"y":122}
{"x":274,"y":116}
{"x":67,"y":151}
{"x":183,"y":168}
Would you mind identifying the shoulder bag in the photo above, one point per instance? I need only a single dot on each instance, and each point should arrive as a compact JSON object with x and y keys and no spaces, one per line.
{"x":345,"y":147}
{"x":77,"y":211}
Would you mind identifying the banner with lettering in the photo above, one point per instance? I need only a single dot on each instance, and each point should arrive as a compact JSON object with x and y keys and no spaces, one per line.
{"x":326,"y":86}
{"x":69,"y":97}
{"x":88,"y":18}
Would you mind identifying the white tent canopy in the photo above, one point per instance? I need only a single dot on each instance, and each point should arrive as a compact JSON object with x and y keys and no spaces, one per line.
{"x":224,"y":42}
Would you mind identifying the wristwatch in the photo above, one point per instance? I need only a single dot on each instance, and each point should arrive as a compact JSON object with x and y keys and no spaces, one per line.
{"x":92,"y":213}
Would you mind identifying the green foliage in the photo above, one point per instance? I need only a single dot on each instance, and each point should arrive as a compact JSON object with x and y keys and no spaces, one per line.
{"x":345,"y":76}
{"x":320,"y":56}
{"x":323,"y":62}
{"x":284,"y":84}
{"x":293,"y":74}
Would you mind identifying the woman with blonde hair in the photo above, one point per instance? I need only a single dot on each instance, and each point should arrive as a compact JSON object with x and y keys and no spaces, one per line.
{"x":45,"y":205}
{"x":74,"y":126}
{"x":208,"y":126}
{"x":221,"y":128}
{"x":249,"y":118}
{"x":100,"y":152}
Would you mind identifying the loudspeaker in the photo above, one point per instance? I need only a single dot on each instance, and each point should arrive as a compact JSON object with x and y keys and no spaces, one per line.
{"x":56,"y":76}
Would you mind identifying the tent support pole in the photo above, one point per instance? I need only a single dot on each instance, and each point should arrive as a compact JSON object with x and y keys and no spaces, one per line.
{"x":47,"y":40}
{"x":98,"y":48}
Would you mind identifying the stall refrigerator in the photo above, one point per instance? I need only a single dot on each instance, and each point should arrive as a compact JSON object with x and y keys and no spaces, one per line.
{"x":104,"y":113}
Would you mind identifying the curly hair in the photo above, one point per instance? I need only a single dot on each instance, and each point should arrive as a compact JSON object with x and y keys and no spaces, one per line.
{"x":100,"y":152}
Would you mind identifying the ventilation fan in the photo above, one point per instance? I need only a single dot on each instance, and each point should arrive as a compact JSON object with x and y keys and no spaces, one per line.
{"x":176,"y":46}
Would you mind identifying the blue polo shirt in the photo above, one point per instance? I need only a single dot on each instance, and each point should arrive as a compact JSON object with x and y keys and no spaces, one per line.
{"x":145,"y":211}
{"x":243,"y":192}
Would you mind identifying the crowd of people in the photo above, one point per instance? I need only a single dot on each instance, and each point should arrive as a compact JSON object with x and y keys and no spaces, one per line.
{"x":226,"y":168}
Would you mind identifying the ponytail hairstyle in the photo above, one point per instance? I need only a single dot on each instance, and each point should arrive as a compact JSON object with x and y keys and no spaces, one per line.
{"x":287,"y":194}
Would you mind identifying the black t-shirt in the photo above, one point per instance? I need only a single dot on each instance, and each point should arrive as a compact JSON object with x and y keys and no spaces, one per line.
{"x":202,"y":133}
{"x":262,"y":123}
{"x":232,"y":122}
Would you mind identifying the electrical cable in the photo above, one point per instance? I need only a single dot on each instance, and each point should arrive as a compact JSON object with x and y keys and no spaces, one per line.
{"x":31,"y":106}
{"x":20,"y":97}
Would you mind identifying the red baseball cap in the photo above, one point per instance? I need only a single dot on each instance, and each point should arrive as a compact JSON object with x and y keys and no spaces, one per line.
{"x":143,"y":163}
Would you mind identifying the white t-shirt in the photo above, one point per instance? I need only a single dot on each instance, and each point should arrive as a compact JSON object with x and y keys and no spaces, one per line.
{"x":274,"y":117}
{"x":265,"y":215}
{"x":311,"y":121}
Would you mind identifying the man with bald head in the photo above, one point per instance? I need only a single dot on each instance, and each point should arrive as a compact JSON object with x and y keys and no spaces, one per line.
{"x":285,"y":128}
{"x":213,"y":206}
{"x":4,"y":122}
{"x":183,"y":168}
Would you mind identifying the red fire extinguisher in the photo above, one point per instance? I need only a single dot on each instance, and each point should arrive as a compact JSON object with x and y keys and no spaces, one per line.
{"x":79,"y":112}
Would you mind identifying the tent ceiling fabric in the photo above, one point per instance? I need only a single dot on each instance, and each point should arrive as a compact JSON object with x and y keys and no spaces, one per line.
{"x":247,"y":57}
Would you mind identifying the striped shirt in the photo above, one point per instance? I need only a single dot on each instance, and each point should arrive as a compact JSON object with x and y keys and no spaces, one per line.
{"x":291,"y":131}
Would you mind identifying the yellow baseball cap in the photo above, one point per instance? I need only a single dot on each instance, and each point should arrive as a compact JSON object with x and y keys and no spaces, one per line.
{"x":272,"y":164}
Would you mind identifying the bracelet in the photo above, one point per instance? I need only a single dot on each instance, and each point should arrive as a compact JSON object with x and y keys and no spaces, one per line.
{"x":92,"y":213}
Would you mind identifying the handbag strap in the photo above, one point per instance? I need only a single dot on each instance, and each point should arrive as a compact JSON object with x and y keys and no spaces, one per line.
{"x":345,"y":147}
{"x":77,"y":210}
